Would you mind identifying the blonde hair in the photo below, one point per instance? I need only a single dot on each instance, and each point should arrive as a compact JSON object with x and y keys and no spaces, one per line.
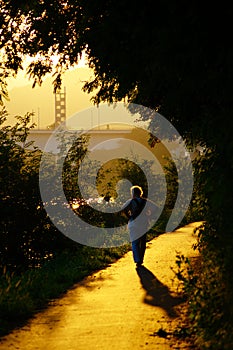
{"x":136,"y":191}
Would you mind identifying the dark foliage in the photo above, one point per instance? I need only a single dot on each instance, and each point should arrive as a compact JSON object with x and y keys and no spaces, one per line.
{"x":27,"y":236}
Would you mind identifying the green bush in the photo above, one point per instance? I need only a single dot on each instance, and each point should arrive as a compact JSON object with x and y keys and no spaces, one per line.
{"x":27,"y":237}
{"x":208,"y":285}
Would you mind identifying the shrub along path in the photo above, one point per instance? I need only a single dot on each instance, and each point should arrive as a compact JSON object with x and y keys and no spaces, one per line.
{"x":116,"y":308}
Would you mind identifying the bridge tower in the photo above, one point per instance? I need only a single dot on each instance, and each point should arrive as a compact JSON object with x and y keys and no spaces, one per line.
{"x":60,"y":108}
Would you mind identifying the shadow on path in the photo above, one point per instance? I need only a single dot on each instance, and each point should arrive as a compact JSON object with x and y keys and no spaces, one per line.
{"x":157,"y":294}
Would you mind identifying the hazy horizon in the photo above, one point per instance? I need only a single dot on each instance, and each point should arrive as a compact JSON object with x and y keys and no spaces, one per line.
{"x":40,"y":100}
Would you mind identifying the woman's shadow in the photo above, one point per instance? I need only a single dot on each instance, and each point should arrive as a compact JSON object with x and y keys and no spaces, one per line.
{"x":157,"y":294}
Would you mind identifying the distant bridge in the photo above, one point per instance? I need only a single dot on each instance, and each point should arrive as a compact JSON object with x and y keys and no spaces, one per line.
{"x":41,"y":137}
{"x":99,"y":136}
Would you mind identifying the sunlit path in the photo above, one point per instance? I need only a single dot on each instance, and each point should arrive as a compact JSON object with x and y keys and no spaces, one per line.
{"x":116,"y":308}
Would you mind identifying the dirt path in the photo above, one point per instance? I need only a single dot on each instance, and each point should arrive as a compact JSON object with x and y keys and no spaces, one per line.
{"x":116,"y":308}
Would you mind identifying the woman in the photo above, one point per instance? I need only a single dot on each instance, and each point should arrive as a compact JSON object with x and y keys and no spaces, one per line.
{"x":138,"y":211}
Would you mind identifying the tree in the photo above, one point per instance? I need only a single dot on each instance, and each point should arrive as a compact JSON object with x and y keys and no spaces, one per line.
{"x":171,"y":56}
{"x":160,"y":54}
{"x":27,"y":236}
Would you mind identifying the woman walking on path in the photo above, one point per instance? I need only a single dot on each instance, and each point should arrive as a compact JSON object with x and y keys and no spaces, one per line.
{"x":139,"y":212}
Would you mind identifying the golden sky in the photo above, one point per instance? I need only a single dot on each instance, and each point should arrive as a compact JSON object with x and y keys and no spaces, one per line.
{"x":40,"y":100}
{"x":80,"y":110}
